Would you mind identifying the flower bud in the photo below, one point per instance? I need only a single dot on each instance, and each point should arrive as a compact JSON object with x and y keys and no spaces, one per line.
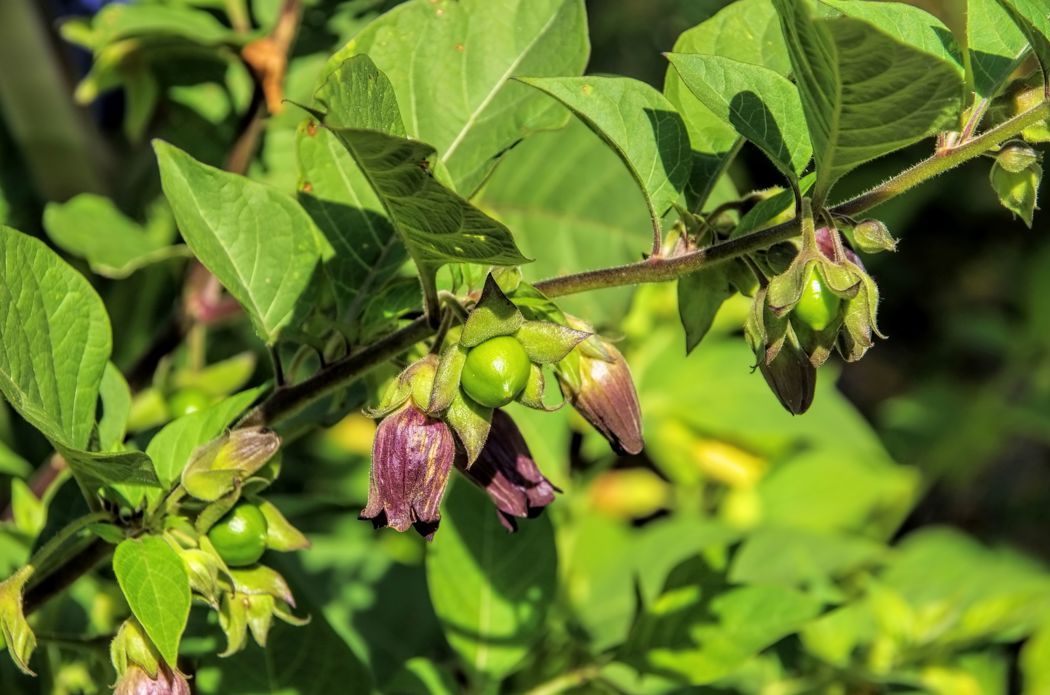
{"x":411,"y":459}
{"x":830,"y":244}
{"x":790,"y":376}
{"x":203,"y":570}
{"x":222,"y":464}
{"x":203,"y":299}
{"x":1016,"y":158}
{"x":416,"y":381}
{"x":140,"y":668}
{"x":132,"y":648}
{"x":603,"y":392}
{"x":136,"y":681}
{"x":1017,"y":188}
{"x":1028,"y":94}
{"x":872,"y":236}
{"x":506,"y":471}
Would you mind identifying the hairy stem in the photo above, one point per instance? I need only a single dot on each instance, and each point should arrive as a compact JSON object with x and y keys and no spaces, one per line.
{"x":286,"y":401}
{"x":943,"y":161}
{"x":42,"y":556}
{"x":72,"y":568}
{"x":661,"y":269}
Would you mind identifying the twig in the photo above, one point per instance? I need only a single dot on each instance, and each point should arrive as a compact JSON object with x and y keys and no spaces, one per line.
{"x":286,"y":401}
{"x":73,"y":568}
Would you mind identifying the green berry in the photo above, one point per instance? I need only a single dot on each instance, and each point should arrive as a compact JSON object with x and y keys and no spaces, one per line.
{"x":496,"y":371}
{"x":818,"y":307}
{"x":240,"y":536}
{"x":186,"y":401}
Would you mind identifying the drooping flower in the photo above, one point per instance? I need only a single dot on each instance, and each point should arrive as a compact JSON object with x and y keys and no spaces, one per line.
{"x":506,"y":471}
{"x":140,"y":669}
{"x":411,"y":459}
{"x":136,"y":681}
{"x":597,"y":382}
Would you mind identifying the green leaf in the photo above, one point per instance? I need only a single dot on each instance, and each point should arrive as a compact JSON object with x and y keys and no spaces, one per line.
{"x":421,"y":676}
{"x":834,"y":636}
{"x":747,"y":31}
{"x":612,"y":565}
{"x":702,"y":629}
{"x":832,"y":471}
{"x":151,"y":21}
{"x":1035,"y":661}
{"x":17,"y":635}
{"x":700,"y":295}
{"x":154,"y":581}
{"x":821,"y":492}
{"x":864,"y":93}
{"x":451,"y":65}
{"x":116,"y":406}
{"x":28,"y":511}
{"x":12,"y":464}
{"x":996,"y":46}
{"x":906,"y":23}
{"x":800,"y":558}
{"x":339,"y":198}
{"x":1033,"y":18}
{"x":108,"y":469}
{"x":761,"y":105}
{"x":995,"y":593}
{"x":356,"y":94}
{"x":639,"y":124}
{"x":1017,"y":190}
{"x":54,"y":340}
{"x":170,"y":448}
{"x":261,"y":245}
{"x":435,"y":224}
{"x":219,"y":378}
{"x":338,"y":195}
{"x":490,"y":590}
{"x":573,"y":207}
{"x":91,"y":227}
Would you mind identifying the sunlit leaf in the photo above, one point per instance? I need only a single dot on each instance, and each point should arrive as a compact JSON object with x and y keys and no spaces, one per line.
{"x":93,"y":228}
{"x":54,"y":340}
{"x":490,"y":589}
{"x":452,"y":65}
{"x":864,"y":93}
{"x":154,"y":581}
{"x":639,"y":124}
{"x":260,"y":244}
{"x":762,"y":106}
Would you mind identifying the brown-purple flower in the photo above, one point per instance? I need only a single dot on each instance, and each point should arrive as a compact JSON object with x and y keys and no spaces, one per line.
{"x":136,"y":681}
{"x":411,"y":459}
{"x":602,"y":391}
{"x":506,"y":471}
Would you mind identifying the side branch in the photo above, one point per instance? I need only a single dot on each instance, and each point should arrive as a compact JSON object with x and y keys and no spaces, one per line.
{"x":658,"y":269}
{"x":287,"y":400}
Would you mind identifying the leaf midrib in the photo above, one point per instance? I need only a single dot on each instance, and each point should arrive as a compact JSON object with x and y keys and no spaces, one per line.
{"x":500,"y":83}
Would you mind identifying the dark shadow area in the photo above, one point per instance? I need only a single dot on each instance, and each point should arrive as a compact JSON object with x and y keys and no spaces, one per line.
{"x":760,"y":121}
